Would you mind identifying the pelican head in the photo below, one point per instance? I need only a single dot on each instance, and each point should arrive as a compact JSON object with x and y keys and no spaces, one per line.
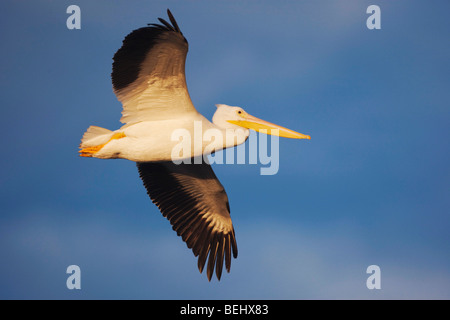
{"x":228,"y":117}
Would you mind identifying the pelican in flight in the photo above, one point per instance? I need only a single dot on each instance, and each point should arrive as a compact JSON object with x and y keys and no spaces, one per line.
{"x":148,"y":77}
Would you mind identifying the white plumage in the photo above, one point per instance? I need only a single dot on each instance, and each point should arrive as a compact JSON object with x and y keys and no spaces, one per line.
{"x":149,"y":80}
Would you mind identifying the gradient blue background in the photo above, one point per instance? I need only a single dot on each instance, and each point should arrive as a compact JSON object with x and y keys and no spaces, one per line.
{"x":370,"y":187}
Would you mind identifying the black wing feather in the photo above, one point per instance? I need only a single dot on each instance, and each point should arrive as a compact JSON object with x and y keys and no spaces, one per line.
{"x":128,"y":59}
{"x":194,"y":201}
{"x":174,"y":22}
{"x":168,"y":26}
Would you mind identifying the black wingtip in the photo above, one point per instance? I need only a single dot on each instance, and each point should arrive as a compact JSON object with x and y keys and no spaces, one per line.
{"x":166,"y":25}
{"x":174,"y":22}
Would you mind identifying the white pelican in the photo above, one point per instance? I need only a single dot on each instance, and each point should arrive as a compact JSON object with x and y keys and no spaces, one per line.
{"x":148,"y":77}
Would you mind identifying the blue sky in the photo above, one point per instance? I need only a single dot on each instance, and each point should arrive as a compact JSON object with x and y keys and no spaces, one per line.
{"x":370,"y":187}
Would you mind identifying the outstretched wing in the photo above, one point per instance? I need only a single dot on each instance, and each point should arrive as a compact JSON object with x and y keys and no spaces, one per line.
{"x":148,"y":73}
{"x":194,"y":201}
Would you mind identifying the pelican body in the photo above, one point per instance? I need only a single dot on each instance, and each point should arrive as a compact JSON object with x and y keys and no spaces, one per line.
{"x":149,"y":80}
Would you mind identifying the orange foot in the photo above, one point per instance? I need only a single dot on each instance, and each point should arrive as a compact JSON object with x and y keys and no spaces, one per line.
{"x":90,"y":151}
